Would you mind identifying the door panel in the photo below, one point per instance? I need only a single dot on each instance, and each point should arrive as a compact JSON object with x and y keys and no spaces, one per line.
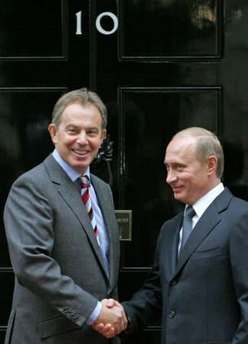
{"x":159,"y":66}
{"x":33,"y":31}
{"x":162,"y":30}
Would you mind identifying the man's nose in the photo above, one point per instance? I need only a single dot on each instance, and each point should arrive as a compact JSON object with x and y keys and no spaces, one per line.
{"x":171,"y":176}
{"x":82,"y":137}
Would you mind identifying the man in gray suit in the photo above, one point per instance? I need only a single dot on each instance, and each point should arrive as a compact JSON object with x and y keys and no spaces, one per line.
{"x":64,"y":270}
{"x":200,"y":286}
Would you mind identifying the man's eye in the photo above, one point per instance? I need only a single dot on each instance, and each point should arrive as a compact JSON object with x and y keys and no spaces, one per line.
{"x":180,"y":167}
{"x":92,"y":132}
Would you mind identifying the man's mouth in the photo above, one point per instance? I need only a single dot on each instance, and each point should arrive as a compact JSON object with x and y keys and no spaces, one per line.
{"x":176,"y":188}
{"x":81,"y":152}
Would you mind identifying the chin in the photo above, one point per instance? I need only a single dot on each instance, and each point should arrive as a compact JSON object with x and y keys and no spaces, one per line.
{"x":177,"y":197}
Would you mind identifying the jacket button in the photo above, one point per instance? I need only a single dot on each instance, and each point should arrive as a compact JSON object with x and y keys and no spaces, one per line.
{"x":173,"y":282}
{"x":171,"y":314}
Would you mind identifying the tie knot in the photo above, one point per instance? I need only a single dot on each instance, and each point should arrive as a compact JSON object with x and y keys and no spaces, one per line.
{"x":189,"y":212}
{"x":85,"y":181}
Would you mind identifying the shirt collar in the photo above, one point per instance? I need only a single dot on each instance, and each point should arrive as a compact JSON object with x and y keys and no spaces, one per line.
{"x":72,"y":174}
{"x":202,"y":204}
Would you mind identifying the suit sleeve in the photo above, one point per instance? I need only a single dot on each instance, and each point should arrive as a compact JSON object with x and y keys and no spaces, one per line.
{"x":29,"y":229}
{"x":145,"y":306}
{"x":239,"y":264}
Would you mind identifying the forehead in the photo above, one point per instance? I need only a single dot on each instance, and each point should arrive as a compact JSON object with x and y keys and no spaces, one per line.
{"x":180,"y":149}
{"x":76,"y":111}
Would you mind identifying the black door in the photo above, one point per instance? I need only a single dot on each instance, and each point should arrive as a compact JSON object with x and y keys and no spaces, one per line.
{"x":159,"y":66}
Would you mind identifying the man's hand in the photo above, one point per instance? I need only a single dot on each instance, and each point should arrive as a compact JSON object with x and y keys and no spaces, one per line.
{"x":112,"y":319}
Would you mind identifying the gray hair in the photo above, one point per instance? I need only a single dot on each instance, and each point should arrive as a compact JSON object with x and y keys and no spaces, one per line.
{"x":207,"y":143}
{"x":81,"y":96}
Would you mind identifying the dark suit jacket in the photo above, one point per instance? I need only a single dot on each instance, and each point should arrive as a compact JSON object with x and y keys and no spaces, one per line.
{"x":204,"y":293}
{"x":56,"y":260}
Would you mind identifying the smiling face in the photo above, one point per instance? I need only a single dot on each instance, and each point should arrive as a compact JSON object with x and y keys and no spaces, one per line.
{"x":79,"y":135}
{"x":188,"y":177}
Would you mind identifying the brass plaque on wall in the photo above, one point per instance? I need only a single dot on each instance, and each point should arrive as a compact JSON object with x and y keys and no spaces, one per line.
{"x":124,"y":219}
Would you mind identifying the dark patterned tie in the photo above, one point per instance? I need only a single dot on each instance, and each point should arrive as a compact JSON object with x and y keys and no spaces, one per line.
{"x":187,"y":224}
{"x":85,"y":195}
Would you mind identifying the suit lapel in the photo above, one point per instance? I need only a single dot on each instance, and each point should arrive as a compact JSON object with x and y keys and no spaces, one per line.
{"x":204,"y":226}
{"x":71,"y":196}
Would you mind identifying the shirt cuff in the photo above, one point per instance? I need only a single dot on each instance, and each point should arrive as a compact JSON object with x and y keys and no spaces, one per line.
{"x":95,"y":314}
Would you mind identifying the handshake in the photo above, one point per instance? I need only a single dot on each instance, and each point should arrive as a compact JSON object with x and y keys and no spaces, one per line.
{"x":112,"y":319}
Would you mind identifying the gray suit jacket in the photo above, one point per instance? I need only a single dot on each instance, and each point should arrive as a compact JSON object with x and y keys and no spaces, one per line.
{"x":203,"y":295}
{"x":57,"y":262}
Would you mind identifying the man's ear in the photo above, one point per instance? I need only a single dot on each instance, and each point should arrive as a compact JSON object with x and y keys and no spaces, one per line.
{"x":53,"y":132}
{"x":104,"y":134}
{"x":212,"y":162}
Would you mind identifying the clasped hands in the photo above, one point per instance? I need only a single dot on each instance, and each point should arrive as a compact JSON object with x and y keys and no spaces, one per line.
{"x":112,"y":319}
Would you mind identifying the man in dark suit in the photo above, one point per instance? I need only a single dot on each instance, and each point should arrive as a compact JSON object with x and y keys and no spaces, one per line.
{"x":64,"y":269}
{"x":200,"y":287}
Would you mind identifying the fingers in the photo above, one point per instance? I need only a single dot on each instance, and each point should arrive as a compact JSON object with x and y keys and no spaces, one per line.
{"x":107,"y":330}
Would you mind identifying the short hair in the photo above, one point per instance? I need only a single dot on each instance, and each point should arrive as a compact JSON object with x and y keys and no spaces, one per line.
{"x":207,"y":143}
{"x":81,"y":96}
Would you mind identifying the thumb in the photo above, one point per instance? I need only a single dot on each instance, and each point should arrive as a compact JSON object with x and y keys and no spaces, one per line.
{"x":110,"y":303}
